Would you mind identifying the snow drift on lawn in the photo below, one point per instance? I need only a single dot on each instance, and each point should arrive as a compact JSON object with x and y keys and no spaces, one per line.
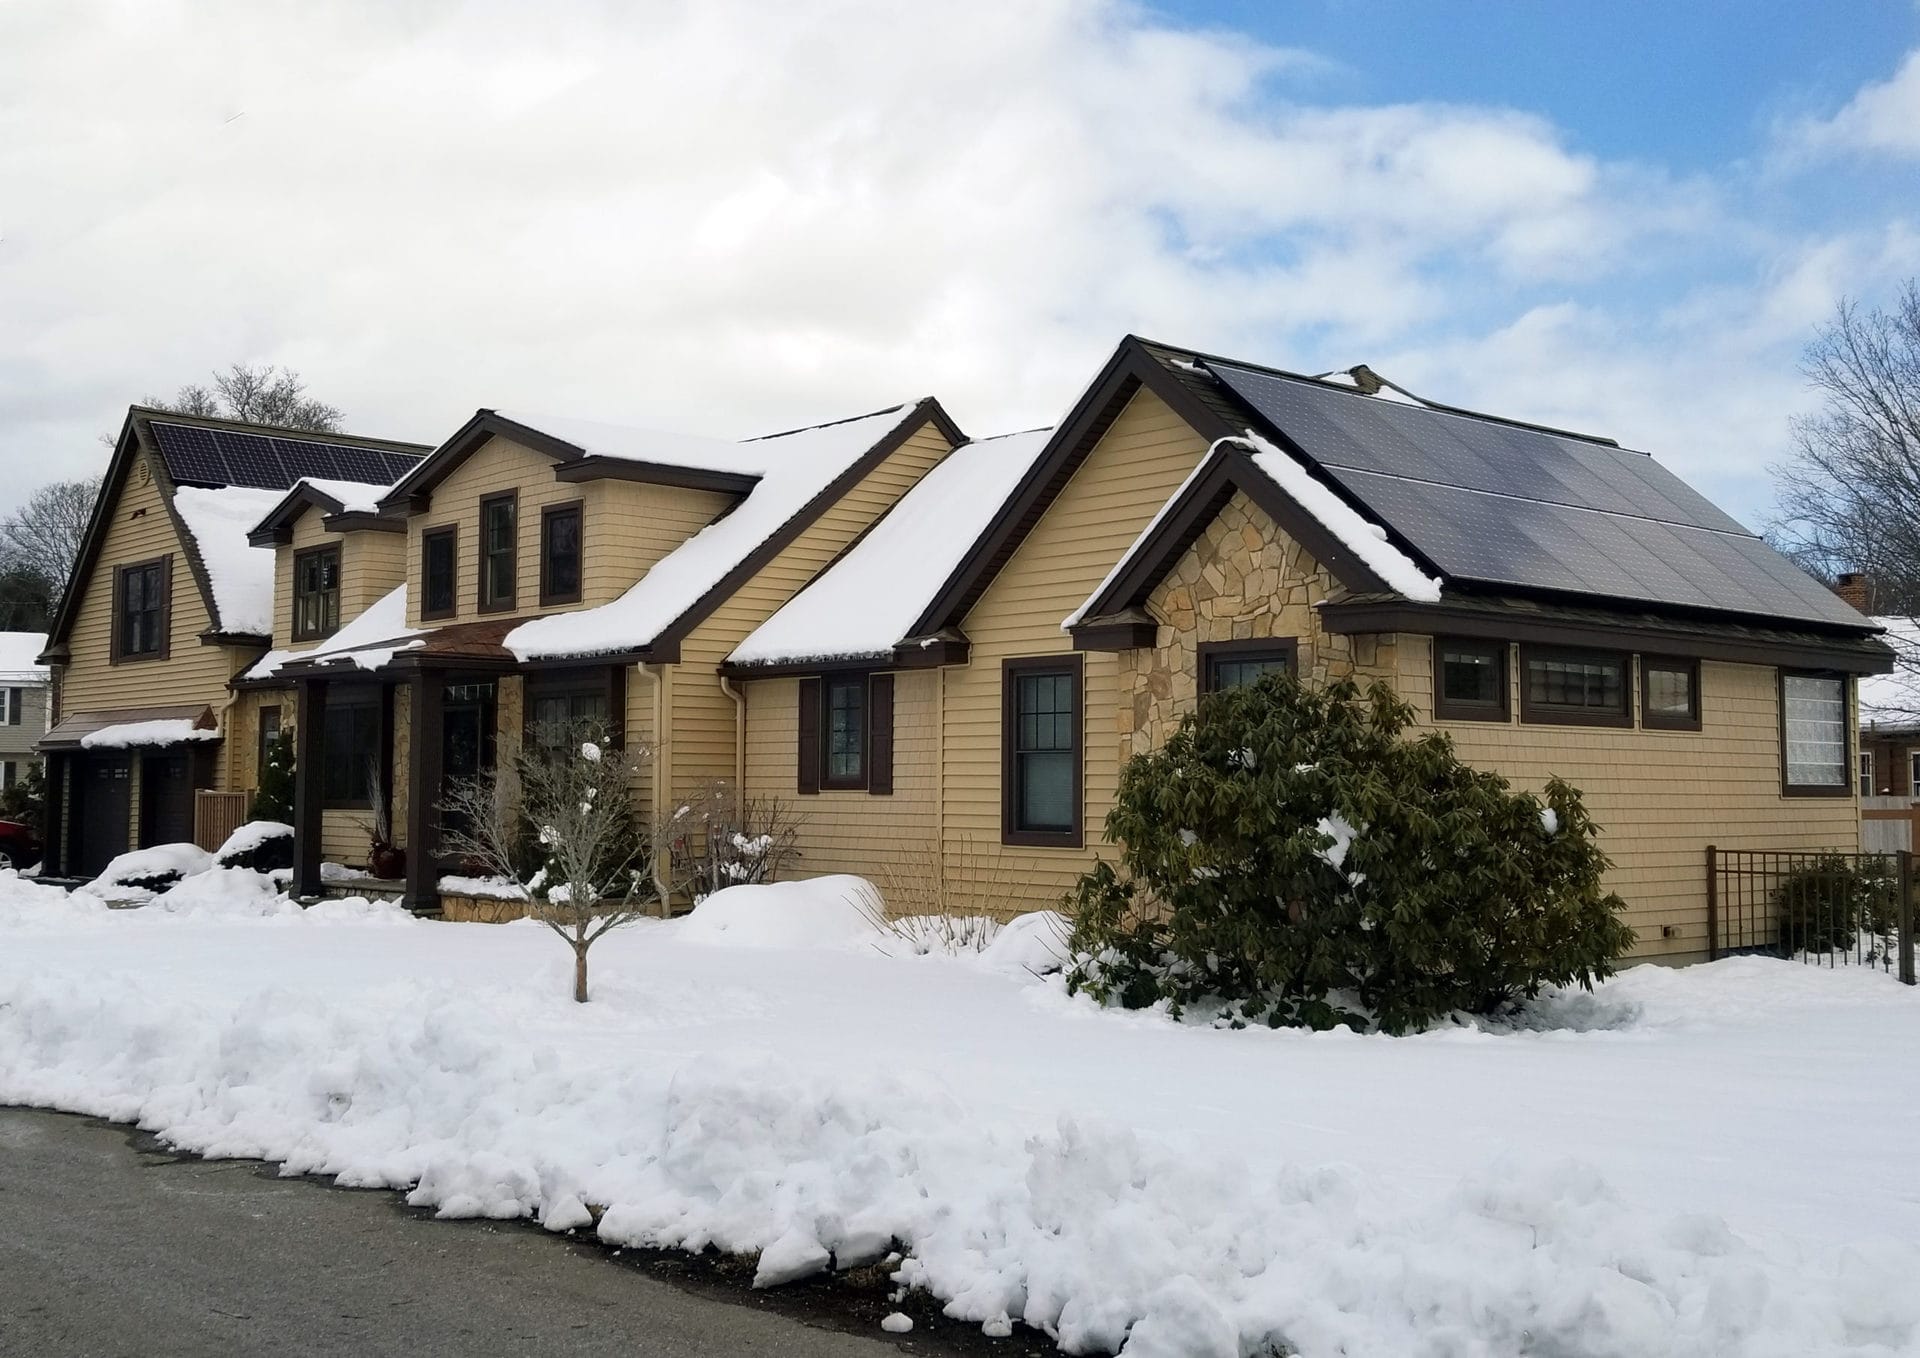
{"x":827,"y":1106}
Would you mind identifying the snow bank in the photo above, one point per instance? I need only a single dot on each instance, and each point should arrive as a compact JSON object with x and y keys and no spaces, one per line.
{"x":1035,"y":942}
{"x":25,"y":902}
{"x":132,"y":734}
{"x":218,"y":520}
{"x":823,"y":912}
{"x":224,"y":893}
{"x":794,"y":467}
{"x":140,"y":865}
{"x":868,"y":600}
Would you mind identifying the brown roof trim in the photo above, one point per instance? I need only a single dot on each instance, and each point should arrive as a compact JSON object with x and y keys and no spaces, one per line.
{"x":213,"y":636}
{"x":276,"y":529}
{"x":1115,"y":631}
{"x":935,"y":652}
{"x":594,"y":467}
{"x":1227,"y":468}
{"x":148,"y":413}
{"x":361,"y":520}
{"x":1129,"y":369}
{"x":926,"y":411}
{"x":1860,"y":654}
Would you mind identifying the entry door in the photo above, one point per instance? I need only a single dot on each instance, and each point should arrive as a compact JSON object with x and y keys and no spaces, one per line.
{"x":166,"y":799}
{"x":103,"y":792}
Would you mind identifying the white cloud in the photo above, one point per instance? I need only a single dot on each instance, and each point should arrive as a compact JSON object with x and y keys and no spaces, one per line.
{"x":1881,"y":117}
{"x":732,"y":216}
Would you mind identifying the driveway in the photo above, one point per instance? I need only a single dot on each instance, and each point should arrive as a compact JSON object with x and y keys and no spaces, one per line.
{"x":109,"y":1247}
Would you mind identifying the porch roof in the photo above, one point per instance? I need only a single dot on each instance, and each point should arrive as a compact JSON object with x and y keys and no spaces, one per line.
{"x":128,"y":727}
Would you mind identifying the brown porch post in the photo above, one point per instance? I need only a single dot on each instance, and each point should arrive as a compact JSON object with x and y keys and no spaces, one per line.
{"x":425,"y":736}
{"x":53,"y":846}
{"x":309,"y":745}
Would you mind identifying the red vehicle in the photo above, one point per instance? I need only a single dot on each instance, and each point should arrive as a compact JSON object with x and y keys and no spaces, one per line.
{"x":19,"y":845}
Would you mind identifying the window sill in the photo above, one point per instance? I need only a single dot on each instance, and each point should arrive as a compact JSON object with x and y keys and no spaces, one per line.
{"x":1486,"y":714}
{"x":1538,"y":716}
{"x":1807,"y":790}
{"x":1670,"y":723}
{"x":1043,"y":839}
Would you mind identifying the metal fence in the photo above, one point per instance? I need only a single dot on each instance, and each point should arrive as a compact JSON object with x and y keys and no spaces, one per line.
{"x":1824,"y":908}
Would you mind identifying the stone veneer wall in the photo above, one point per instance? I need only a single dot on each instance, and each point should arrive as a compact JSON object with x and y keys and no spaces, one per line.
{"x":1242,"y":579}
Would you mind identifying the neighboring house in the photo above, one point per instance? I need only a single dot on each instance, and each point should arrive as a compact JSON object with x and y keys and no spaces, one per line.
{"x":1557,"y":604}
{"x":167,"y":604}
{"x":24,"y":684}
{"x":549,"y":570}
{"x":1888,"y":763}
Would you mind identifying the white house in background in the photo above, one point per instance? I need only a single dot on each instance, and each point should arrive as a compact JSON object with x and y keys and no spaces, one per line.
{"x":23,"y":703}
{"x":1888,"y":763}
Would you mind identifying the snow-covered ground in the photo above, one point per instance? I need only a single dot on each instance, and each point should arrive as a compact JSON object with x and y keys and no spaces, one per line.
{"x":1721,"y":1160}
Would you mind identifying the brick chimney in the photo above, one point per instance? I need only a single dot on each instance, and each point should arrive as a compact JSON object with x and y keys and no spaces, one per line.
{"x":1852,"y":586}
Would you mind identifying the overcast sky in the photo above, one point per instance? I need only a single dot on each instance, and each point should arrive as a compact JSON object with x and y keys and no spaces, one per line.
{"x":731,"y":217}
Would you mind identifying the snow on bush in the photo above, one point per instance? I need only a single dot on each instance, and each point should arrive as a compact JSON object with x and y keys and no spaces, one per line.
{"x":136,"y":877}
{"x":262,"y":845}
{"x":837,"y":911}
{"x":1035,"y":942}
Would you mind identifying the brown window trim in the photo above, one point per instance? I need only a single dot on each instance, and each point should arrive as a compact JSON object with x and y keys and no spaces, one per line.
{"x":1010,"y":670}
{"x":507,"y":603}
{"x":1552,"y":714}
{"x":577,"y":508}
{"x":1445,"y":709}
{"x":300,"y":558}
{"x":1846,"y":786}
{"x":117,"y":651}
{"x":1211,"y":652}
{"x":450,"y":531}
{"x":1656,"y":721}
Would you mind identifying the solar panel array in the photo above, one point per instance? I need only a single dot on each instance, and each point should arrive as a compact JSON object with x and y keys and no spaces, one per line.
{"x":1504,"y":505}
{"x":228,"y":457}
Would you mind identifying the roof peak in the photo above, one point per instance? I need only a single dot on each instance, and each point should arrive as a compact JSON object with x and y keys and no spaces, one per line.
{"x":161,"y":415}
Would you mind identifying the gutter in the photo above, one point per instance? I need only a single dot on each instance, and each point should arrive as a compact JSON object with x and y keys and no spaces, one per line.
{"x":739,"y":738}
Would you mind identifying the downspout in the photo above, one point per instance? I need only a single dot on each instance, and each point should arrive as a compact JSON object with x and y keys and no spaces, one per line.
{"x":739,"y":738}
{"x":662,"y":772}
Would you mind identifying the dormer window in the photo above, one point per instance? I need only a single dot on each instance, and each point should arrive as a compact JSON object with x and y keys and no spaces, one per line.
{"x":316,"y":593}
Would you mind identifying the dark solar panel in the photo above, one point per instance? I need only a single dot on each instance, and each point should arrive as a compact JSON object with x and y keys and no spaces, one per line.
{"x":1502,"y":505}
{"x":230,"y":457}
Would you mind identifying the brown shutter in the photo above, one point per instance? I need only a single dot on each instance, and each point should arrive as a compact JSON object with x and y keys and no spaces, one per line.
{"x":166,"y":607}
{"x":880,"y":735}
{"x":118,"y":644}
{"x":13,"y":706}
{"x":809,"y":752}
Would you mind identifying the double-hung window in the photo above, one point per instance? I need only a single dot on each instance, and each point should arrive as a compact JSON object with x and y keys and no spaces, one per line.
{"x":316,"y":593}
{"x":499,"y":551}
{"x":140,"y":610}
{"x":1813,"y":734}
{"x":351,"y":757}
{"x":1041,"y":752}
{"x":844,"y":762}
{"x":439,"y":571}
{"x":846,"y":733}
{"x":1866,"y":773}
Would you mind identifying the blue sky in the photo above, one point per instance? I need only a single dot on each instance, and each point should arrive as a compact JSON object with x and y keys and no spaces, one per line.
{"x":729,"y":217}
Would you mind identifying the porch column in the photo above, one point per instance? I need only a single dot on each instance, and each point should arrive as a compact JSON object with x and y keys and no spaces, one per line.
{"x":309,"y":760}
{"x":425,"y":738}
{"x":53,"y":846}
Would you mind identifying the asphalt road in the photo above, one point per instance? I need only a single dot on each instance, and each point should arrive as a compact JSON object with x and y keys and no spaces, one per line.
{"x":107,"y":1248}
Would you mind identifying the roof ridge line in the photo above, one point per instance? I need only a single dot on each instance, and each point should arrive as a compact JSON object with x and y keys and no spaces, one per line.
{"x":904,"y":406}
{"x":160,"y":415}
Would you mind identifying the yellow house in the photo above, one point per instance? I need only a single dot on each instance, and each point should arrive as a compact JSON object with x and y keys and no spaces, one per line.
{"x":1558,"y":604}
{"x":168,"y":601}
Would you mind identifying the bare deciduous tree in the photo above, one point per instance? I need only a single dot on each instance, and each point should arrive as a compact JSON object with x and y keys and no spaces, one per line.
{"x":1850,"y":493}
{"x":40,"y":540}
{"x":258,"y":394}
{"x":560,"y":824}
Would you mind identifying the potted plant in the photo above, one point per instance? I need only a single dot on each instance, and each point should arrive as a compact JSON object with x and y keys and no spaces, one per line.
{"x":383,"y":859}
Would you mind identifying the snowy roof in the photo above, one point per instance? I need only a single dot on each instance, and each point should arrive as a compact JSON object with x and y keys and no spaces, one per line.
{"x":795,"y":468}
{"x":630,"y":444}
{"x":241,"y":575}
{"x":1366,"y":541}
{"x":17,"y":657}
{"x":163,"y":731}
{"x":1893,"y":700}
{"x":866,"y":602}
{"x":353,"y":497}
{"x":367,"y":640}
{"x":1382,"y":389}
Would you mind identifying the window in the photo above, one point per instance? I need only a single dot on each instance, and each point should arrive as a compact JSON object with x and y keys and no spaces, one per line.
{"x":846,"y":734}
{"x":9,"y":774}
{"x":268,"y":734}
{"x":563,"y":705}
{"x":499,"y":555}
{"x":140,"y":615}
{"x":1582,"y":688}
{"x":1866,"y":773}
{"x":1235,"y":664}
{"x":1469,"y":680}
{"x":1040,"y":752}
{"x":350,"y":759}
{"x":845,"y":730}
{"x":1913,"y":773}
{"x":439,"y":571}
{"x":1813,"y":735}
{"x":560,"y":554}
{"x":316,"y":593}
{"x":9,"y":715}
{"x":1669,"y":694}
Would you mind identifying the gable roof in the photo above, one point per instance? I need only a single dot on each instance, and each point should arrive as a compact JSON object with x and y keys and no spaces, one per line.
{"x":342,"y":504}
{"x":805,"y":471}
{"x":263,"y":458}
{"x":861,"y":606}
{"x":1490,"y":505}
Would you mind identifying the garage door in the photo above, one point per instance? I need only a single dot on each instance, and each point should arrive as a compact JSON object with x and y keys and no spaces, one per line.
{"x":103,"y":791}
